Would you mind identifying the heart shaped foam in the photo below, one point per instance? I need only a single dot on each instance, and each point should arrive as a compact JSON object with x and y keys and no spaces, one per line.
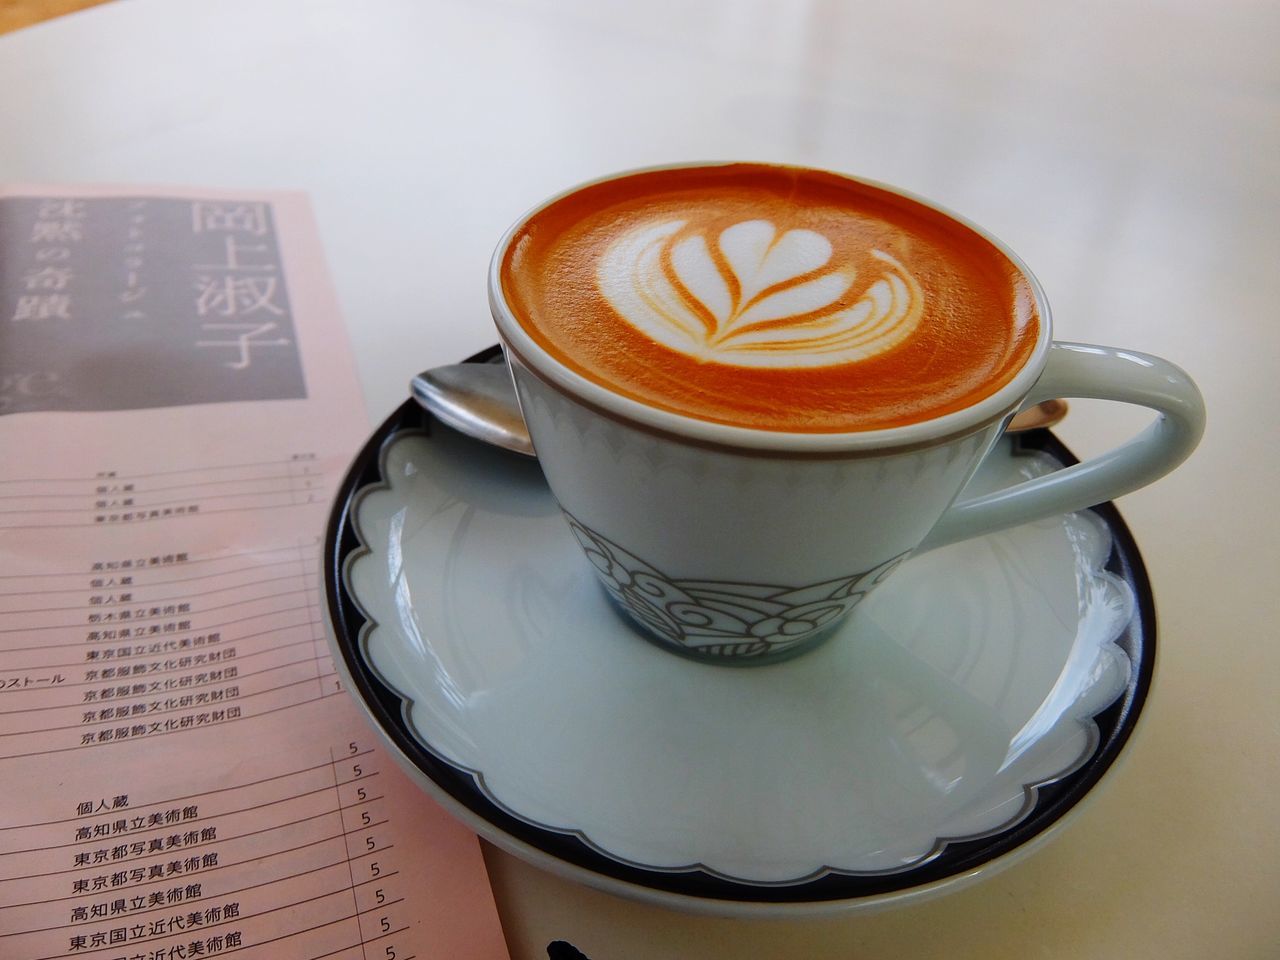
{"x":756,"y":297}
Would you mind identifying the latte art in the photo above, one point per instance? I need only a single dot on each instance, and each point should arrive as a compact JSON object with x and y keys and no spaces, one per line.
{"x":757,"y":297}
{"x":769,"y":297}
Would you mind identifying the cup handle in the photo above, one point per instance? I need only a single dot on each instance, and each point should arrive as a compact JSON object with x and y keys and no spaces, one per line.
{"x":1102,"y":373}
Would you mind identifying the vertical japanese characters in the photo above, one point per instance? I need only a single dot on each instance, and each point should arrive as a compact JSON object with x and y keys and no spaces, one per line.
{"x":238,"y":299}
{"x":125,"y":303}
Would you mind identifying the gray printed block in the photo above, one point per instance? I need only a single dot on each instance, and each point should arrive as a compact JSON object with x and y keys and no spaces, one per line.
{"x":129,"y":303}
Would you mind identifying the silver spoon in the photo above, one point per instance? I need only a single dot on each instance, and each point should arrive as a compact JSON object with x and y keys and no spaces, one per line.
{"x":478,"y":399}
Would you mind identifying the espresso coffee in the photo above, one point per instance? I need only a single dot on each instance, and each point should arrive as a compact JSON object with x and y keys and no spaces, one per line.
{"x":770,"y":297}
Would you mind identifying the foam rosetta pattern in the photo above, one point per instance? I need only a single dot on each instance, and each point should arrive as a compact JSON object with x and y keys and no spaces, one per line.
{"x":755,"y":296}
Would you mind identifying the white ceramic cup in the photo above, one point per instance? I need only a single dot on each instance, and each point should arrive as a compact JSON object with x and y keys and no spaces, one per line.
{"x":736,"y":545}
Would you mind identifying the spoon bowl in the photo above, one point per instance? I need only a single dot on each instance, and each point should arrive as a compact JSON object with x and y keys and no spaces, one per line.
{"x":477,"y":399}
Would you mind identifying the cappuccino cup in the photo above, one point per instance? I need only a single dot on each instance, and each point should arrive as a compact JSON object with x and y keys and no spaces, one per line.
{"x":756,"y":389}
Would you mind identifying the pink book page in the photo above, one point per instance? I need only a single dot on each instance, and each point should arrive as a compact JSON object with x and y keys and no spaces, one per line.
{"x":181,"y":772}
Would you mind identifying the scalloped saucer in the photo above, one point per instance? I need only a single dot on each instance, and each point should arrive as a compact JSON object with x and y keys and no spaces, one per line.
{"x":967,"y":706}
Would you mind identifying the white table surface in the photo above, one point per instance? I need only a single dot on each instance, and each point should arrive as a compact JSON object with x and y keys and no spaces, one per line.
{"x":1128,"y":150}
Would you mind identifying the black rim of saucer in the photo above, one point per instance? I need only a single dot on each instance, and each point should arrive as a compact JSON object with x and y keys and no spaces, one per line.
{"x":1052,"y":801}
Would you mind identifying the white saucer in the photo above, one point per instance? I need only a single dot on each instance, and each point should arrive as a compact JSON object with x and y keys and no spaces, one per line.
{"x":968,"y":705}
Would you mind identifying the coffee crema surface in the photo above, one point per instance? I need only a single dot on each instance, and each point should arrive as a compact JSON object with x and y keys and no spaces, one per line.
{"x":770,"y":297}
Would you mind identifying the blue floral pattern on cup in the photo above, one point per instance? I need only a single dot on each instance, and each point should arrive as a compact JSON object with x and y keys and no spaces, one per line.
{"x":715,"y":620}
